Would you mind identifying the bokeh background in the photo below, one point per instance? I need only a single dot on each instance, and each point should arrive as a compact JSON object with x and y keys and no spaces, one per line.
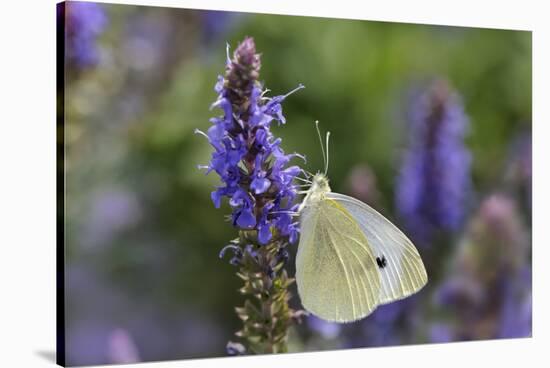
{"x":431,"y":125}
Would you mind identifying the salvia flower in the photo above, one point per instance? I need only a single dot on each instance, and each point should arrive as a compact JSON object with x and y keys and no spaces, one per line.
{"x":434,"y":179}
{"x":248,"y":158}
{"x":84,"y":23}
{"x":258,"y":181}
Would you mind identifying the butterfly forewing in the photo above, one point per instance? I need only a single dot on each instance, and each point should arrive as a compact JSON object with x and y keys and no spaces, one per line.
{"x":336,"y":271}
{"x":403,"y":273}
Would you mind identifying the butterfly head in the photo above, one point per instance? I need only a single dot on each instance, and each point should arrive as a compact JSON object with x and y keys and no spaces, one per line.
{"x":318,"y":189}
{"x":319,"y":184}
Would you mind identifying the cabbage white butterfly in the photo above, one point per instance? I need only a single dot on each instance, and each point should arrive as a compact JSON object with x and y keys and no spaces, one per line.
{"x":350,"y":258}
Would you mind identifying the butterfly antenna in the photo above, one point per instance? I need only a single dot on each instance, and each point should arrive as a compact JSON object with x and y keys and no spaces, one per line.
{"x":326,"y":162}
{"x":321,"y":142}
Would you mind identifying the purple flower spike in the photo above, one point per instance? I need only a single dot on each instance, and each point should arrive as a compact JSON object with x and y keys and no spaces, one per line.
{"x":432,"y":188}
{"x":247,"y":157}
{"x":260,"y":187}
{"x":85,"y":22}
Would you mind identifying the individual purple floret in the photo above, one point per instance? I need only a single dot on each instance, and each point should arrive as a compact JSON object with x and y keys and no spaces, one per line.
{"x":248,"y":158}
{"x":84,"y":23}
{"x":434,"y":179}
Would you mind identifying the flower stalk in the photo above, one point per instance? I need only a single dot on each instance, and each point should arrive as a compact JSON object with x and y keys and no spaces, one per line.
{"x":266,"y":315}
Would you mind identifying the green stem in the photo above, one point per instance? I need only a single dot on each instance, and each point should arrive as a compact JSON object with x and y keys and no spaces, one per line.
{"x":266,"y":315}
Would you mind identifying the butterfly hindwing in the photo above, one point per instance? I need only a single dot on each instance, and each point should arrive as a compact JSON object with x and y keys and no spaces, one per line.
{"x":403,"y":272}
{"x":336,"y":271}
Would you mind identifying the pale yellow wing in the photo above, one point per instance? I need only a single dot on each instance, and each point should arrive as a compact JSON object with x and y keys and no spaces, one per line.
{"x":404,"y":273}
{"x":336,"y":272}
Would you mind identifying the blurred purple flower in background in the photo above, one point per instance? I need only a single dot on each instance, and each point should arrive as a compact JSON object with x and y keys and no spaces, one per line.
{"x":487,"y":293}
{"x":459,"y":290}
{"x":516,"y":311}
{"x":389,"y":324}
{"x":122,"y":349}
{"x":148,"y":38}
{"x":112,"y":211}
{"x":440,"y":332}
{"x":519,"y":170}
{"x":84,"y":23}
{"x":434,"y":180}
{"x":328,"y":330}
{"x":362,"y":184}
{"x":215,"y":23}
{"x":151,"y":329}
